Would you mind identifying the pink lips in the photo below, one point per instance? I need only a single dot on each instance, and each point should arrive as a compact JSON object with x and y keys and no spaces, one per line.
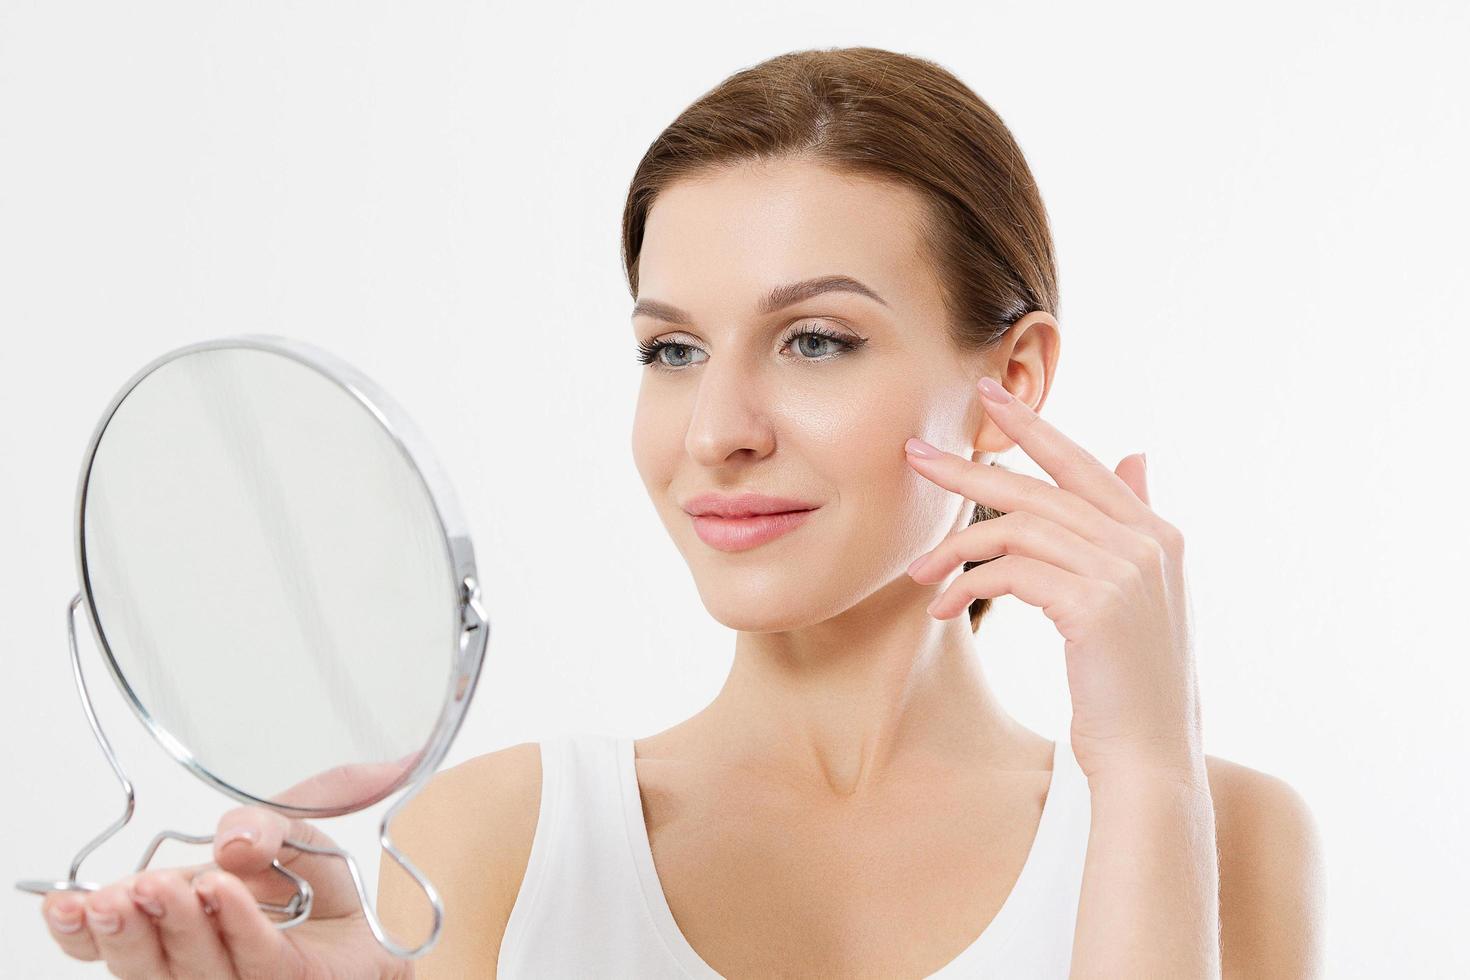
{"x":741,"y":533}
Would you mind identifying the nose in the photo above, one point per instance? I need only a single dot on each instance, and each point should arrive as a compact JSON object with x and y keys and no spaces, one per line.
{"x":730,"y":415}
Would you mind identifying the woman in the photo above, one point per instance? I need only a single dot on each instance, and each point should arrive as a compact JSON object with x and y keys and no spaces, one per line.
{"x":845,"y":307}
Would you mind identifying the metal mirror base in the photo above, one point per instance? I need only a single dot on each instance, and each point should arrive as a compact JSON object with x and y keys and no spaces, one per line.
{"x":298,"y":909}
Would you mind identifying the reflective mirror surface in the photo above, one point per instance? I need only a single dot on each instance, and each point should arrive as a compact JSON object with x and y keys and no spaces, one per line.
{"x":270,"y":578}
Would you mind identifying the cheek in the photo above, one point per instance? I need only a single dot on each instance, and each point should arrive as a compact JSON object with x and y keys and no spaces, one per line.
{"x":645,"y":444}
{"x":657,"y":443}
{"x":871,"y":412}
{"x":859,"y":454}
{"x":855,"y":447}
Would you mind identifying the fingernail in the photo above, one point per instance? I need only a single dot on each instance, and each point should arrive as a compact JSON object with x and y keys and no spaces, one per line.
{"x":66,"y":919}
{"x":921,"y":449}
{"x":104,"y":922}
{"x":917,"y":562}
{"x":237,"y":834}
{"x":204,"y":888}
{"x":1145,"y":461}
{"x":148,"y":904}
{"x":994,"y":390}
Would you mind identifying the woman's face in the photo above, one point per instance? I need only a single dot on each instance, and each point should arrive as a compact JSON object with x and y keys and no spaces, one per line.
{"x":744,"y":401}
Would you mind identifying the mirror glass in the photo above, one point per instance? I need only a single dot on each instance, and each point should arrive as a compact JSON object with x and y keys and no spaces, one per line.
{"x":269,"y":576}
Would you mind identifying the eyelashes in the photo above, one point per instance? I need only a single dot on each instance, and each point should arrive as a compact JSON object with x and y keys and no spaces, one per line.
{"x":649,"y":351}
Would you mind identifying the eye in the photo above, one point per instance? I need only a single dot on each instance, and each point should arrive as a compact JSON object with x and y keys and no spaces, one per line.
{"x":822,"y":337}
{"x":649,"y":352}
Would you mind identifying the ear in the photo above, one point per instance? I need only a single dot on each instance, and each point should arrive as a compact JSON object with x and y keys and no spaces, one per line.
{"x":1133,"y":470}
{"x":1025,"y":362}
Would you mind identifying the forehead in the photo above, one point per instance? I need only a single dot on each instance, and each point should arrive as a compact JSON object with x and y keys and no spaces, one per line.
{"x":728,"y":235}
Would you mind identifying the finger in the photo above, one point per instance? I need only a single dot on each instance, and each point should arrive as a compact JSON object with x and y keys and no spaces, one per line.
{"x":1133,"y":470}
{"x":1073,"y":467}
{"x":1067,"y":599}
{"x":1018,"y":533}
{"x":124,"y":934}
{"x":63,"y":913}
{"x":1007,"y":491}
{"x":255,"y":946}
{"x":190,"y":939}
{"x":247,"y":839}
{"x":250,"y":838}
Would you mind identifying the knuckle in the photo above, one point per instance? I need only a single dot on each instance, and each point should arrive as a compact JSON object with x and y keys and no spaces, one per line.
{"x":1147,"y":552}
{"x":1011,"y":535}
{"x":1103,"y":599}
{"x":1126,"y":574}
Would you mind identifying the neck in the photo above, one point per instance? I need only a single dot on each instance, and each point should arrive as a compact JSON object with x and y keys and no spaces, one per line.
{"x":861,"y":702}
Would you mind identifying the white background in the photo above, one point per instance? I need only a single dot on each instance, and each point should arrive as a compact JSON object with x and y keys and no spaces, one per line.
{"x":1261,"y":216}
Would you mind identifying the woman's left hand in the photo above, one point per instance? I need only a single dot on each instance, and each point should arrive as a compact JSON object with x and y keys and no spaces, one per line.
{"x":1105,"y":568}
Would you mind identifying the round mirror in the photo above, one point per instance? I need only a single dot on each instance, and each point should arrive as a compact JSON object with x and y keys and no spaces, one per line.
{"x":278,"y":574}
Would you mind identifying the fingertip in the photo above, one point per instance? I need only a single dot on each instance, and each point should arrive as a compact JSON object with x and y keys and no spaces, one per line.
{"x":62,"y":911}
{"x":247,"y":839}
{"x":218,"y":889}
{"x":206,"y":886}
{"x":146,"y":893}
{"x":236,"y":845}
{"x":69,"y":931}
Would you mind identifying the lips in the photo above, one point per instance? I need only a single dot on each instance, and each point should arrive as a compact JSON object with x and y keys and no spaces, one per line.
{"x":743,"y":505}
{"x":742,"y":533}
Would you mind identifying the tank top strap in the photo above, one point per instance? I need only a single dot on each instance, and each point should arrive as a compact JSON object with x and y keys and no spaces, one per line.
{"x":1031,"y":934}
{"x":580,"y":907}
{"x":579,"y":830}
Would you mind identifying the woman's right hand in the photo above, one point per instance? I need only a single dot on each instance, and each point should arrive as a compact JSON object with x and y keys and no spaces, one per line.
{"x":158,"y":923}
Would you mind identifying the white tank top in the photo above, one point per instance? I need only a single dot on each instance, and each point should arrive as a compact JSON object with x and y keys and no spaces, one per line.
{"x":591,"y":904}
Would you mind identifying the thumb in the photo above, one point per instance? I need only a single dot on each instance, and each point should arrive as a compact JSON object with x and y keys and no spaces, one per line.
{"x":249,"y":838}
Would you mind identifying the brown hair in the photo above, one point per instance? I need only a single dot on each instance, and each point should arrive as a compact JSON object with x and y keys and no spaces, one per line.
{"x":875,"y":112}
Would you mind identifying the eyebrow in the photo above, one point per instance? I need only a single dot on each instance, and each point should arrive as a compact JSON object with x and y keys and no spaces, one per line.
{"x":777,"y":299}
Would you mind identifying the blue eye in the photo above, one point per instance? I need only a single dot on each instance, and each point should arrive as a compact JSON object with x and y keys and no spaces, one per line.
{"x":649,"y":352}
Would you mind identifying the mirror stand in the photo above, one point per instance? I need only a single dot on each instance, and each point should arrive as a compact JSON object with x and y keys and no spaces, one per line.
{"x":299,"y":907}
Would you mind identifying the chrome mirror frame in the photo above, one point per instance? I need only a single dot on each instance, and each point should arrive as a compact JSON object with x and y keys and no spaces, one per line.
{"x":467,"y":658}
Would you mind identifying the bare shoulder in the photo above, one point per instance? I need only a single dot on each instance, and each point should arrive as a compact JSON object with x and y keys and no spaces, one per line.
{"x":469,"y":830}
{"x":1272,"y":894}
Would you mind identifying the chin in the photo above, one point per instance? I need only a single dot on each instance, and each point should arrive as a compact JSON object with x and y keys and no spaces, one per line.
{"x":747,"y":620}
{"x":761,"y":610}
